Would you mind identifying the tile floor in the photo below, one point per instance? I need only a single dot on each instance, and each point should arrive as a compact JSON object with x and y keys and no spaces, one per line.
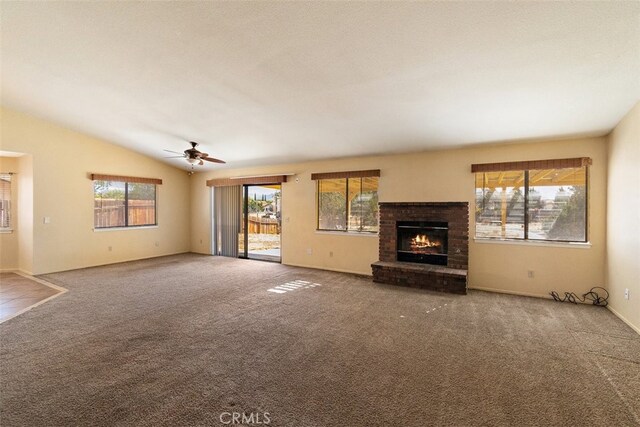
{"x":18,"y":293}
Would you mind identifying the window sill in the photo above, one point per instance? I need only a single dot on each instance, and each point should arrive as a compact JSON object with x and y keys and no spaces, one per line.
{"x":348,"y":233}
{"x":6,"y":230}
{"x":549,"y":244}
{"x":139,"y":227}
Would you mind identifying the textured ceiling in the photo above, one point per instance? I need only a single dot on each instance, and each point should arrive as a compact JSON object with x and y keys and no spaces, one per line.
{"x":272,"y":82}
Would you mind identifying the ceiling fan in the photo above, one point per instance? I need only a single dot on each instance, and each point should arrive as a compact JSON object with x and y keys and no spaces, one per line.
{"x":193,"y":155}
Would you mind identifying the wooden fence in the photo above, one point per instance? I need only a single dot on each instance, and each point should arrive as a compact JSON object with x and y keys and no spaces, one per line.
{"x":264,"y":225}
{"x":110,"y":213}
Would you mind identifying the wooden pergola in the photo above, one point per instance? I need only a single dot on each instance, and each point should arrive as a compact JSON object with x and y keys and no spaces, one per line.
{"x":537,"y":178}
{"x":337,"y":185}
{"x":334,"y":182}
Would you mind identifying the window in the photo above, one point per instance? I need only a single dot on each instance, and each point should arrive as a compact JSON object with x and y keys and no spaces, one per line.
{"x":363,"y":204}
{"x":332,"y":204}
{"x":123,"y":204}
{"x":5,"y":202}
{"x":348,"y":203}
{"x":554,"y":209}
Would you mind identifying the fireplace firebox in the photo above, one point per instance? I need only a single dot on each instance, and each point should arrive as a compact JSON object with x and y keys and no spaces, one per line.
{"x":422,"y":242}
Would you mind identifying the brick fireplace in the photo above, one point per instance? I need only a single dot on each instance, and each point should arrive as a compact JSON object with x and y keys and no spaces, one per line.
{"x":424,"y":245}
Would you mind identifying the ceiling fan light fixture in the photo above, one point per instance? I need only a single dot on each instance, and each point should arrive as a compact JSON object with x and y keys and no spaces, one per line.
{"x":194,"y":156}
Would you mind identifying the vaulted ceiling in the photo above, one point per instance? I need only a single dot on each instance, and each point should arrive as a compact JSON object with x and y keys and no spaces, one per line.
{"x":273,"y":82}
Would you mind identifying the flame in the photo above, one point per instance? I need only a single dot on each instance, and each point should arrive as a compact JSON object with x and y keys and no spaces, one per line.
{"x":422,"y":241}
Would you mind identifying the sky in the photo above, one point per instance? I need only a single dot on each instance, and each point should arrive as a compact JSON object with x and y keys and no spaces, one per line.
{"x":259,"y":191}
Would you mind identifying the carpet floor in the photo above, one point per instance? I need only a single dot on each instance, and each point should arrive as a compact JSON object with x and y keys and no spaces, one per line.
{"x":189,"y":340}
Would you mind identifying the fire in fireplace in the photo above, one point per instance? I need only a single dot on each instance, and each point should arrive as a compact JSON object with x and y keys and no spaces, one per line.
{"x":423,"y":242}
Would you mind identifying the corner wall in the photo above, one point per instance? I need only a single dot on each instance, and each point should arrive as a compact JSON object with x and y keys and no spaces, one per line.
{"x":438,"y":176}
{"x":62,"y":191}
{"x":623,"y":218}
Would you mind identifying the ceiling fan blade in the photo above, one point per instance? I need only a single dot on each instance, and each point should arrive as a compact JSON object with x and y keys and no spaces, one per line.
{"x":201,"y":162}
{"x":211,"y":159}
{"x":174,"y":152}
{"x":201,"y":154}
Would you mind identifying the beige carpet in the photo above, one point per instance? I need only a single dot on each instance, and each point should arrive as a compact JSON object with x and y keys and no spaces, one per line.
{"x":178,"y":341}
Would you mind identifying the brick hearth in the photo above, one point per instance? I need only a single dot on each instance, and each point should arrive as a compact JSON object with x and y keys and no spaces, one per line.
{"x":453,"y":277}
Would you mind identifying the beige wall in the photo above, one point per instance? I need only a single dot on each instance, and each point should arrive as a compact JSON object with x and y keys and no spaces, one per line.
{"x":432,"y":176}
{"x":25,"y":213}
{"x":61,"y":162}
{"x":61,"y":187}
{"x":9,"y":241}
{"x":623,"y":218}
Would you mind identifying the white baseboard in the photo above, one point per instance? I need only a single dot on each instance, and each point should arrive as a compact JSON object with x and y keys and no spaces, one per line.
{"x":359,"y":273}
{"x":114,"y":262}
{"x":522,"y":294}
{"x":624,"y":319}
{"x":504,"y":291}
{"x":16,"y":270}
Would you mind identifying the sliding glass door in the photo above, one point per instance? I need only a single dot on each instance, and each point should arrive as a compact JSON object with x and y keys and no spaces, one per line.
{"x":259,"y":237}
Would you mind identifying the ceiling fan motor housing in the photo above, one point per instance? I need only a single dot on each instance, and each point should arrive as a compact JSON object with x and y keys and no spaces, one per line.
{"x":195,"y":156}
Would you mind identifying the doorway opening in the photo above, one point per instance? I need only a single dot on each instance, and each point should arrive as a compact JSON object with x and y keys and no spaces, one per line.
{"x":260,"y":233}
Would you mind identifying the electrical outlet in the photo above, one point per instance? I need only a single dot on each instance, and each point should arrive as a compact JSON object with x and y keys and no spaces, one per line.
{"x":309,"y":251}
{"x":200,"y":241}
{"x":530,"y":274}
{"x":330,"y":254}
{"x":157,"y":244}
{"x":109,"y":248}
{"x":626,"y":293}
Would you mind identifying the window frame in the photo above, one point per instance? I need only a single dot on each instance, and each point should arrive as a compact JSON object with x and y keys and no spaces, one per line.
{"x":9,"y":228}
{"x":346,"y":210}
{"x":126,"y":206}
{"x":526,"y":221}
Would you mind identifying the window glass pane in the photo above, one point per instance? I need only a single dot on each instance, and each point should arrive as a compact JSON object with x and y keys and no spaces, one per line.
{"x":363,"y":204}
{"x":500,"y":205}
{"x":558,"y":204}
{"x":142,"y":204}
{"x":108,"y":204}
{"x":5,"y":201}
{"x":354,"y":206}
{"x":332,"y":204}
